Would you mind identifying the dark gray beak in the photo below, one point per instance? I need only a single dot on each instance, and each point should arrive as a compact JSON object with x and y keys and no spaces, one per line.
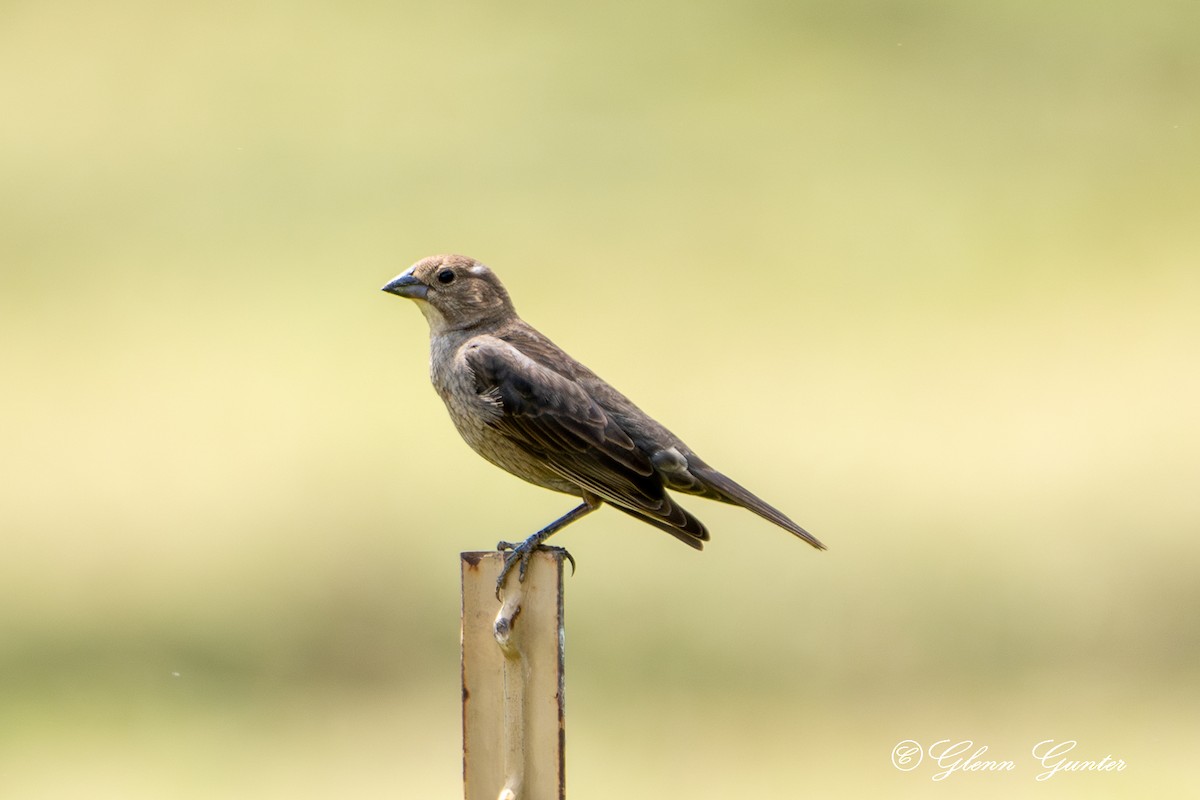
{"x":406,"y":285}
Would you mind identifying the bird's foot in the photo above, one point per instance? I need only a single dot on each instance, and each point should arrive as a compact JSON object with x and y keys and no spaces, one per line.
{"x":518,"y":555}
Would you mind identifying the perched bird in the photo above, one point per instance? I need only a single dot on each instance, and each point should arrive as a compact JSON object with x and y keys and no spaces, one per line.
{"x":525,"y":405}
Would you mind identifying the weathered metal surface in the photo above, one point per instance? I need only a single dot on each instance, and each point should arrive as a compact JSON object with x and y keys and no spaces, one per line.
{"x":512,"y":676}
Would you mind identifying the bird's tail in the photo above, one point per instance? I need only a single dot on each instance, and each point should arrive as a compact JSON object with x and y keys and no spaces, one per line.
{"x":730,"y":491}
{"x":680,"y":524}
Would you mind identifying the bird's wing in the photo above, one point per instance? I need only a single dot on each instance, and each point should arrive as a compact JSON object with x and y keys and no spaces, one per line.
{"x":553,"y":417}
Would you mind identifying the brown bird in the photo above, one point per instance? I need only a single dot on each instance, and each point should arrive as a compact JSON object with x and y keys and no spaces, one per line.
{"x":525,"y":405}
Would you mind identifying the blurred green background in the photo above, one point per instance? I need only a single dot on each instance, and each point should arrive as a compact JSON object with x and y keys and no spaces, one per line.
{"x":924,"y":274}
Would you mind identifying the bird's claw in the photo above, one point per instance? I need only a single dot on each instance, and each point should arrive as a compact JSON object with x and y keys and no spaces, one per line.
{"x":519,"y":554}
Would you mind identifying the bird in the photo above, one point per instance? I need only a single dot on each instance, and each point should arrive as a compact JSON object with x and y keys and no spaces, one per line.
{"x":525,"y":405}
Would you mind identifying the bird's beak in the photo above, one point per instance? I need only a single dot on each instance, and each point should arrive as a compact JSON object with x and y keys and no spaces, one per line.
{"x":408,"y":286}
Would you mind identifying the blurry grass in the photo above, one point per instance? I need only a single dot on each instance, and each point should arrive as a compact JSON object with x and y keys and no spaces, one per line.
{"x":921,"y":274}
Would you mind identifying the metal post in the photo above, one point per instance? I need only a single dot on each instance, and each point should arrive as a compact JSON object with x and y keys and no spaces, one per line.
{"x":512,"y":674}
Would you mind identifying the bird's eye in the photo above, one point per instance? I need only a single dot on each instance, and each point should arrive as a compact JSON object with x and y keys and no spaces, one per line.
{"x":446,"y":276}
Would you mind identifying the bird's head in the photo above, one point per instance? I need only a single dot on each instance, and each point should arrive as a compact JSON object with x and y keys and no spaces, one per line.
{"x":453,"y":292}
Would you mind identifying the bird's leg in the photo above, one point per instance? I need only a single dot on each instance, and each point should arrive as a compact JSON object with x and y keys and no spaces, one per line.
{"x":524,"y":551}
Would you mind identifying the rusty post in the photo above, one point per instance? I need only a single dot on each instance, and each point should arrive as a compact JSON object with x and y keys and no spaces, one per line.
{"x":512,"y":675}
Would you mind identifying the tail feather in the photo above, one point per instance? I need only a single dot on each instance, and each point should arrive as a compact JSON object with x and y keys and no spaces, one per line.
{"x":730,"y":491}
{"x":687,"y":529}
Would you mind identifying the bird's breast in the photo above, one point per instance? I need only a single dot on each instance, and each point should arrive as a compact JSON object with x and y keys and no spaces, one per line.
{"x":475,"y":415}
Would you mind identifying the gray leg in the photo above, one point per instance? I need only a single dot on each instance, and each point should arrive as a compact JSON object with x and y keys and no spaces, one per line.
{"x":524,"y":551}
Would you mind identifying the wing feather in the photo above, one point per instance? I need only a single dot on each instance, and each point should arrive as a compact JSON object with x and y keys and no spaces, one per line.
{"x":552,"y":417}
